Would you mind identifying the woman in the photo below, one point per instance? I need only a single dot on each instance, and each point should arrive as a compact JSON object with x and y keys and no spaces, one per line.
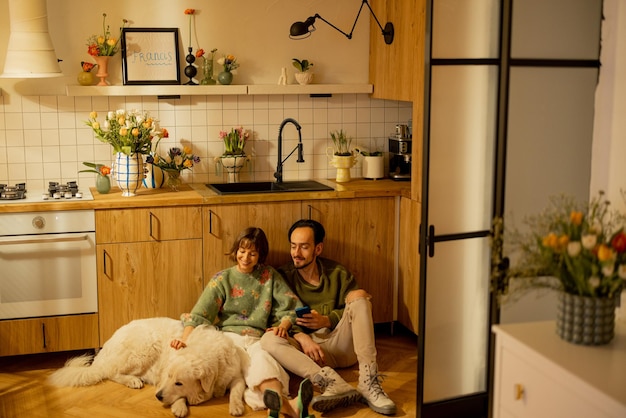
{"x":245,"y":301}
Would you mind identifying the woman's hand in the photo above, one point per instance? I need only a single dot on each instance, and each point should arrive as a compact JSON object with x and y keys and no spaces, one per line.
{"x":177,"y":344}
{"x":279,"y":331}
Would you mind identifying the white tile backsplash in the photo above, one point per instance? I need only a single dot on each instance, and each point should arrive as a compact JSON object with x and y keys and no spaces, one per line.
{"x":44,"y":138}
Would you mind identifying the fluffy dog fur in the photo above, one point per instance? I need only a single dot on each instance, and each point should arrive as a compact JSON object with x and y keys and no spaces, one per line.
{"x":139,"y":353}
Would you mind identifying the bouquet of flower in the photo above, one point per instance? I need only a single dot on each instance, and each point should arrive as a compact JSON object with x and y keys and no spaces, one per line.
{"x":130,"y":132}
{"x":101,"y":169}
{"x":105,"y":44}
{"x":234,"y":141}
{"x":176,"y":159}
{"x":229,"y":62}
{"x":582,"y":246}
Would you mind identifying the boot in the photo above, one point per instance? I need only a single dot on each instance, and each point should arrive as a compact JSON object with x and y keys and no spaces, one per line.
{"x":372,"y":391}
{"x":335,"y":391}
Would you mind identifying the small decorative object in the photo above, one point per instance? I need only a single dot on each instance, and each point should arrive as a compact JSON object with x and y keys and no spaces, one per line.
{"x":234,"y":157}
{"x":129,"y":172}
{"x":102,"y":47}
{"x":190,"y":69}
{"x":229,"y":62}
{"x":373,"y":164}
{"x":155,"y":177}
{"x":207,"y":67}
{"x":103,"y":182}
{"x":342,"y":159}
{"x":282,"y":80}
{"x":130,"y":133}
{"x":303,"y":76}
{"x":576,"y":249}
{"x":175,"y":161}
{"x":85,"y":77}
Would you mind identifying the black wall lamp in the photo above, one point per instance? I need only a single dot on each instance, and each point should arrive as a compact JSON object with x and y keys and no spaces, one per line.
{"x":301,"y":30}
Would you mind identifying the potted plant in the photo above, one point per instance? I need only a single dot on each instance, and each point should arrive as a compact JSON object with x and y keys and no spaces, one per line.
{"x":343,"y":158}
{"x":577,"y":249}
{"x":303,"y":76}
{"x":234,"y":156}
{"x":373,"y":164}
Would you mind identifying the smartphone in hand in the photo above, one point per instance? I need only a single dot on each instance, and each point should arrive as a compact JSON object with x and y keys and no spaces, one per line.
{"x":300,"y":312}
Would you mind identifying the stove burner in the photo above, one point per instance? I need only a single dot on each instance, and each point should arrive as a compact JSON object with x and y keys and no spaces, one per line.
{"x":67,"y":190}
{"x":13,"y":192}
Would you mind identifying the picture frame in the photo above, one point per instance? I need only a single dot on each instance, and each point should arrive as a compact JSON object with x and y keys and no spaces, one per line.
{"x":150,"y":56}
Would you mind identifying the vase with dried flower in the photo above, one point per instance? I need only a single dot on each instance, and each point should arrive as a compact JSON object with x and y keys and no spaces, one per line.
{"x":102,"y":48}
{"x":207,"y":67}
{"x":229,"y":63}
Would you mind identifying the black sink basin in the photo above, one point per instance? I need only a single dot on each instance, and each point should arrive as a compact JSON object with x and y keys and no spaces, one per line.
{"x":268,"y":187}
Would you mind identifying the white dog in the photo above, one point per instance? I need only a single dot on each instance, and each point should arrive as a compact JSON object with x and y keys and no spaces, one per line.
{"x":139,"y":353}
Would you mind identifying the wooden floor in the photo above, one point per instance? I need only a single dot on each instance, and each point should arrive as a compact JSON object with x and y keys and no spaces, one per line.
{"x":25,"y":394}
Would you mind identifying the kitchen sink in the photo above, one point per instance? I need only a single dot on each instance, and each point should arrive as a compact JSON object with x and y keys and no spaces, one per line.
{"x":269,"y":187}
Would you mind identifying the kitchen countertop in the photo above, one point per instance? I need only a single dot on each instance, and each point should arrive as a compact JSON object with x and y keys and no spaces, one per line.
{"x":199,"y":194}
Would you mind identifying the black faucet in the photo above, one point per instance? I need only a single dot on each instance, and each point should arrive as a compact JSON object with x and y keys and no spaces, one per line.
{"x":279,"y":167}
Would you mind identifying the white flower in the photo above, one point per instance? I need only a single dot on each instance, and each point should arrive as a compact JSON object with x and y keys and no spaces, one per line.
{"x":589,"y":241}
{"x":574,"y":248}
{"x":621,"y":271}
{"x":120,"y":112}
{"x":608,"y":269}
{"x":220,"y":61}
{"x":111,"y":115}
{"x":594,"y":282}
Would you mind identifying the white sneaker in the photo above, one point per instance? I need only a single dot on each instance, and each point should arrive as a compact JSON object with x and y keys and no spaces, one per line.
{"x":372,"y":391}
{"x":335,"y":391}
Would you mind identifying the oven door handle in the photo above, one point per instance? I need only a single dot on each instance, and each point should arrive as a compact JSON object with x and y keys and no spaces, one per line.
{"x":44,"y":240}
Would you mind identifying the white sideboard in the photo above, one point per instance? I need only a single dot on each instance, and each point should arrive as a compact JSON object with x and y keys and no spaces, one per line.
{"x":539,"y":375}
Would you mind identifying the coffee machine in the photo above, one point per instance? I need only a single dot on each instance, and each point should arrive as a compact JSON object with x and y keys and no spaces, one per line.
{"x":400,"y":154}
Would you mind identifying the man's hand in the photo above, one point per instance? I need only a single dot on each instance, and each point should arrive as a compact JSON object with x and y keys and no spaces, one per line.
{"x":279,"y":331}
{"x":312,"y":349}
{"x":314,"y":320}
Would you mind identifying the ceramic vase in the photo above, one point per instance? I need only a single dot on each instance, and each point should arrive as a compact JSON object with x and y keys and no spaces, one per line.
{"x":343,"y":164}
{"x":103,"y":184}
{"x":85,"y":78}
{"x":173,"y":180}
{"x":585,"y":320}
{"x":304,"y":78}
{"x":103,"y":69}
{"x":155,"y":178}
{"x":225,"y":77}
{"x":129,"y":172}
{"x":373,"y":167}
{"x":233,"y":165}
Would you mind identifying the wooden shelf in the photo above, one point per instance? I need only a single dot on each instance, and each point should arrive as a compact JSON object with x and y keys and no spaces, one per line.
{"x":183,"y":90}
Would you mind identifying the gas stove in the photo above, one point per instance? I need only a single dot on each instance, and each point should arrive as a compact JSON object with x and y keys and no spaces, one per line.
{"x":56,"y":192}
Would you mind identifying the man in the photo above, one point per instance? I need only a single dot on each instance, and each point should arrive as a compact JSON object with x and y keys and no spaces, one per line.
{"x":339,"y":330}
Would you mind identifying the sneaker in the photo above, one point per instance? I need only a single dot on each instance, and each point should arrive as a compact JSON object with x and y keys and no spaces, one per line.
{"x":335,"y":391}
{"x":371,"y":390}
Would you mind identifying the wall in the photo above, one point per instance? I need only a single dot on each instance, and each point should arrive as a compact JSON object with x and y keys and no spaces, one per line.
{"x":42,"y":131}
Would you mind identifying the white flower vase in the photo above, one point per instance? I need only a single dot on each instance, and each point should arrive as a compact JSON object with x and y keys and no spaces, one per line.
{"x":373,"y":167}
{"x":129,"y":172}
{"x":233,"y":165}
{"x":343,"y":164}
{"x":155,"y":178}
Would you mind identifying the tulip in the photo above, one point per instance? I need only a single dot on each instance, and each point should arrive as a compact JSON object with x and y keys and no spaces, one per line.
{"x":605,"y":253}
{"x":621,"y":271}
{"x":574,"y":248}
{"x":576,"y":217}
{"x":594,"y":282}
{"x":589,"y":241}
{"x":93,"y":115}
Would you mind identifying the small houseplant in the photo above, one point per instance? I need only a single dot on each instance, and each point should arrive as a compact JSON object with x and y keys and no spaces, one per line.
{"x":373,"y":164}
{"x":577,"y":249}
{"x":103,"y":182}
{"x":303,"y":76}
{"x":173,"y":163}
{"x":343,"y":158}
{"x":234,"y":156}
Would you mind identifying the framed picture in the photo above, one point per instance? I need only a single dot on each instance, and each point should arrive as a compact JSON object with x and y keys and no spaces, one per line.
{"x":150,"y":56}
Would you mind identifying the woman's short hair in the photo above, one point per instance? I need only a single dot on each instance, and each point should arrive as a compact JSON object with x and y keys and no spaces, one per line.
{"x":251,"y":237}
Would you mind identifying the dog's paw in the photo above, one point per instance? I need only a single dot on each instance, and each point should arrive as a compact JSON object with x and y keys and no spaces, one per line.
{"x":236,"y":408}
{"x":179,"y":408}
{"x":134,"y":383}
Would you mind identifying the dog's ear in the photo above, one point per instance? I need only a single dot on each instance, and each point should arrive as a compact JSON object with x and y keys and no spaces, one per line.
{"x":207,"y":380}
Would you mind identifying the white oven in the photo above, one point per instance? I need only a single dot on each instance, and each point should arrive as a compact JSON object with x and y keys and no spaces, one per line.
{"x":47,"y":264}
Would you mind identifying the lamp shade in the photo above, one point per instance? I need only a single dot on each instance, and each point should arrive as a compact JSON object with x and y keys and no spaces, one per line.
{"x":30,"y":53}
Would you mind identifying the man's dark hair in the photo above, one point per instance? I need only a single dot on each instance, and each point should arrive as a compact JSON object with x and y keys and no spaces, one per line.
{"x":251,"y":238}
{"x":318,"y":230}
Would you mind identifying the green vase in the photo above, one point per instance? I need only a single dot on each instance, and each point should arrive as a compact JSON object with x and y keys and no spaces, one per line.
{"x":103,"y":184}
{"x":225,"y":77}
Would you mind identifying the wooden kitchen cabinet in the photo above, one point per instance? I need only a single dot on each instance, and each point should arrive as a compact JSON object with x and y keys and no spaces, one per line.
{"x":539,"y":375}
{"x":49,"y":334}
{"x":409,"y":264}
{"x":149,"y":264}
{"x":360,"y":235}
{"x":224,"y":222}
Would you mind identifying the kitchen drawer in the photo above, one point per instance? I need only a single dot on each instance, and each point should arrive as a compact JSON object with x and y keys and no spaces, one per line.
{"x":529,"y":390}
{"x":151,"y":224}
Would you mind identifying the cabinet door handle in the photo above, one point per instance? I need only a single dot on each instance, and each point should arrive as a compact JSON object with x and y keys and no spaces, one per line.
{"x":518,"y":391}
{"x":105,"y":255}
{"x":153,"y":216}
{"x":43,"y":333}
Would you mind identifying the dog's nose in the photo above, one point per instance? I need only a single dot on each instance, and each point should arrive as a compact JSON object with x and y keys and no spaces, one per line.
{"x":159,"y":395}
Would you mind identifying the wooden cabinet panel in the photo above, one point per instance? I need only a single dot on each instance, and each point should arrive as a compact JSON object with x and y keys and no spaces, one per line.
{"x":408,"y":265}
{"x":44,"y":335}
{"x":360,"y":235}
{"x":224,"y":222}
{"x":147,"y":279}
{"x":152,"y":224}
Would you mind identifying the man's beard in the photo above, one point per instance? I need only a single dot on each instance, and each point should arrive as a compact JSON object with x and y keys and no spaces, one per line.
{"x":304,"y":265}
